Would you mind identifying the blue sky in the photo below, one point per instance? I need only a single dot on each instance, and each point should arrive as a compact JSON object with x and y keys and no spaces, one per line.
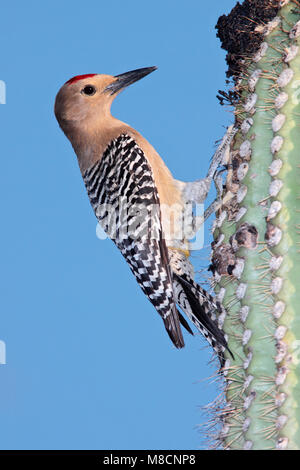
{"x":89,"y":365}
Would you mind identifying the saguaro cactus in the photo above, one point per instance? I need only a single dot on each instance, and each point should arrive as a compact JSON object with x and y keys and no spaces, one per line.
{"x":256,"y":248}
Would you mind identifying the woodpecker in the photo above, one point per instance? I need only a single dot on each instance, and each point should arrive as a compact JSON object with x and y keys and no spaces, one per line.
{"x":131,"y":191}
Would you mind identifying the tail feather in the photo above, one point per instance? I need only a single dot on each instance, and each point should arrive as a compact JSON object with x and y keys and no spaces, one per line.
{"x":199,"y":306}
{"x":185,"y":323}
{"x":172,"y":326}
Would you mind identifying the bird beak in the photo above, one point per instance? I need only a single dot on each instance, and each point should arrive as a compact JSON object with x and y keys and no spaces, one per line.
{"x":125,"y":79}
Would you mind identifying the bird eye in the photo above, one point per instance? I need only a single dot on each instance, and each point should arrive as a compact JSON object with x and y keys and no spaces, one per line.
{"x":88,"y":90}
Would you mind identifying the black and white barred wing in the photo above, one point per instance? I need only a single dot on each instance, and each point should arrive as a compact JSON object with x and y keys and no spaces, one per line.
{"x":125,"y":200}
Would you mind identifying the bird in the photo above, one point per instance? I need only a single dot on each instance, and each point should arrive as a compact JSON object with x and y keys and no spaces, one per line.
{"x":138,"y":203}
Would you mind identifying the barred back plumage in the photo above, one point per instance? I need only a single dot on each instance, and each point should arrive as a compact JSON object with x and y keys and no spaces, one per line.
{"x":125,"y":200}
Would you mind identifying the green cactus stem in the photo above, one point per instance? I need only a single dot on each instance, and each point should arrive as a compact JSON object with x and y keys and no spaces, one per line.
{"x":256,"y":248}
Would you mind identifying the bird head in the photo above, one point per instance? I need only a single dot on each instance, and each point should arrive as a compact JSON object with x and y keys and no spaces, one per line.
{"x":88,"y":98}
